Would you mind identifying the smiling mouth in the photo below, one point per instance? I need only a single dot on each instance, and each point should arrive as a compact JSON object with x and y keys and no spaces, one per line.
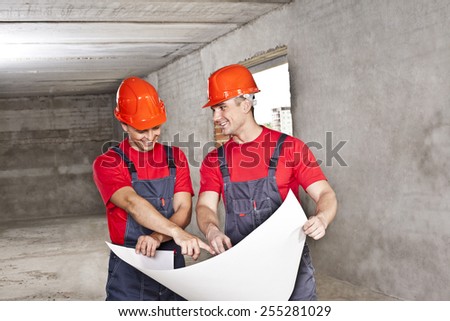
{"x":148,"y":143}
{"x":223,"y":124}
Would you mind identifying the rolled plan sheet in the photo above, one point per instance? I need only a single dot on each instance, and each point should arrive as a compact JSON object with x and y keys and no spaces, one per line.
{"x":262,"y":267}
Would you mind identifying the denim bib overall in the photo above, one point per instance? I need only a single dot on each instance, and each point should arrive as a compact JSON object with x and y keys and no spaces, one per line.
{"x":248,"y":204}
{"x":124,"y":281}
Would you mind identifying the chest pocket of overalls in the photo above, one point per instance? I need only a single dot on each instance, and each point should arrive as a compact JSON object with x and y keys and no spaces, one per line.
{"x":159,"y":193}
{"x":249,"y":214}
{"x":251,"y":203}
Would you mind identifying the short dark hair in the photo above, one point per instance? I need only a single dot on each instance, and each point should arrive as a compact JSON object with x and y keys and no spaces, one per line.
{"x":239,"y":99}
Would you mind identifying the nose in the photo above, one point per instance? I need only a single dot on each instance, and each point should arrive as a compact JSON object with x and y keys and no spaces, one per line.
{"x":217,"y":114}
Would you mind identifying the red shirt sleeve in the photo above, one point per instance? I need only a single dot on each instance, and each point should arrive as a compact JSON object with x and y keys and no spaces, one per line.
{"x":210,"y":175}
{"x":183,"y":181}
{"x":306,"y":169}
{"x":109,"y":175}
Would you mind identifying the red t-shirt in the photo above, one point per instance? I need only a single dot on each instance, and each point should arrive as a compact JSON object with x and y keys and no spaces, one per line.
{"x":296,"y":167}
{"x":111,"y":174}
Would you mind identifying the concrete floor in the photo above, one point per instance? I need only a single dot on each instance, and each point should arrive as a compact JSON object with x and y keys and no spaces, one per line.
{"x":66,"y":259}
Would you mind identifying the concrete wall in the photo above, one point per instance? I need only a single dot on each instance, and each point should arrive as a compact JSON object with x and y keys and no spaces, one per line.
{"x":375,"y":74}
{"x":47,"y":146}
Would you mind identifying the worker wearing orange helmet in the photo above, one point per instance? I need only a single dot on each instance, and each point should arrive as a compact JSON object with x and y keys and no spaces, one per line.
{"x":253,"y":172}
{"x":147,"y":190}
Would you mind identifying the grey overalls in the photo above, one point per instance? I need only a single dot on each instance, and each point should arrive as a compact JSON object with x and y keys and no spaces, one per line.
{"x":124,"y":281}
{"x":248,"y":204}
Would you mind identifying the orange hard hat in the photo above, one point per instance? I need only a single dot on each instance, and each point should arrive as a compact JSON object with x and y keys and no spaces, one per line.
{"x":139,"y":105}
{"x":229,"y":82}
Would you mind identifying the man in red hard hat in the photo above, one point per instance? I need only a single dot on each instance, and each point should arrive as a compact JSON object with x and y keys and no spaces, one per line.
{"x":253,"y":172}
{"x":147,"y":191}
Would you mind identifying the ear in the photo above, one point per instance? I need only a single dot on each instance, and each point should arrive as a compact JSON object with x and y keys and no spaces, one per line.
{"x":246,"y":106}
{"x":124,"y":127}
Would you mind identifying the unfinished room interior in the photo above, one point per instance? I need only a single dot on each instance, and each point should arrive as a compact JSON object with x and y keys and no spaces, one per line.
{"x":369,"y":86}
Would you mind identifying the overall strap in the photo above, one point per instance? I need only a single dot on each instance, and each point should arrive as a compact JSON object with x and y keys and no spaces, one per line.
{"x":170,"y":160}
{"x":276,"y":155}
{"x":128,"y":163}
{"x":223,"y":164}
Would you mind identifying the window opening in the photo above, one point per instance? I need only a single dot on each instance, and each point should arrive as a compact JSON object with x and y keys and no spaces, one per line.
{"x":273,"y":102}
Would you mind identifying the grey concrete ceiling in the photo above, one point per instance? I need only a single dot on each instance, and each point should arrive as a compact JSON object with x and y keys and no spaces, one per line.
{"x":64,"y":47}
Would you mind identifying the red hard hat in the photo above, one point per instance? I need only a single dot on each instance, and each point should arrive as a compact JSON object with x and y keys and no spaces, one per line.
{"x":139,"y":105}
{"x":229,"y":82}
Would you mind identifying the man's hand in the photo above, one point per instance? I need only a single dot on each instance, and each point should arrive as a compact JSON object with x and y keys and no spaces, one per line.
{"x":147,"y":244}
{"x":217,"y":239}
{"x":190,"y":244}
{"x":326,"y":207}
{"x":315,"y":227}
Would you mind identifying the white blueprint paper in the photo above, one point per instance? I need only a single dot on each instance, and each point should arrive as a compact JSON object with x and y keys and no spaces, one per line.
{"x":262,"y":267}
{"x":163,"y":260}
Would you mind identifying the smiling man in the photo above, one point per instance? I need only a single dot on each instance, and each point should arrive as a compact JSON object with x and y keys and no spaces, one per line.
{"x":147,"y":190}
{"x":253,"y":173}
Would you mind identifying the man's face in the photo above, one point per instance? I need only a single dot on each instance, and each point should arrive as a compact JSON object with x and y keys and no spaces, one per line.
{"x":229,"y":116}
{"x":142,"y":140}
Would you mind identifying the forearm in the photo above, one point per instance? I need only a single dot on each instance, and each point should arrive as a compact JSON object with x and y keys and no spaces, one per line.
{"x":206,"y":218}
{"x":182,"y":218}
{"x":145,"y":214}
{"x":326,"y":207}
